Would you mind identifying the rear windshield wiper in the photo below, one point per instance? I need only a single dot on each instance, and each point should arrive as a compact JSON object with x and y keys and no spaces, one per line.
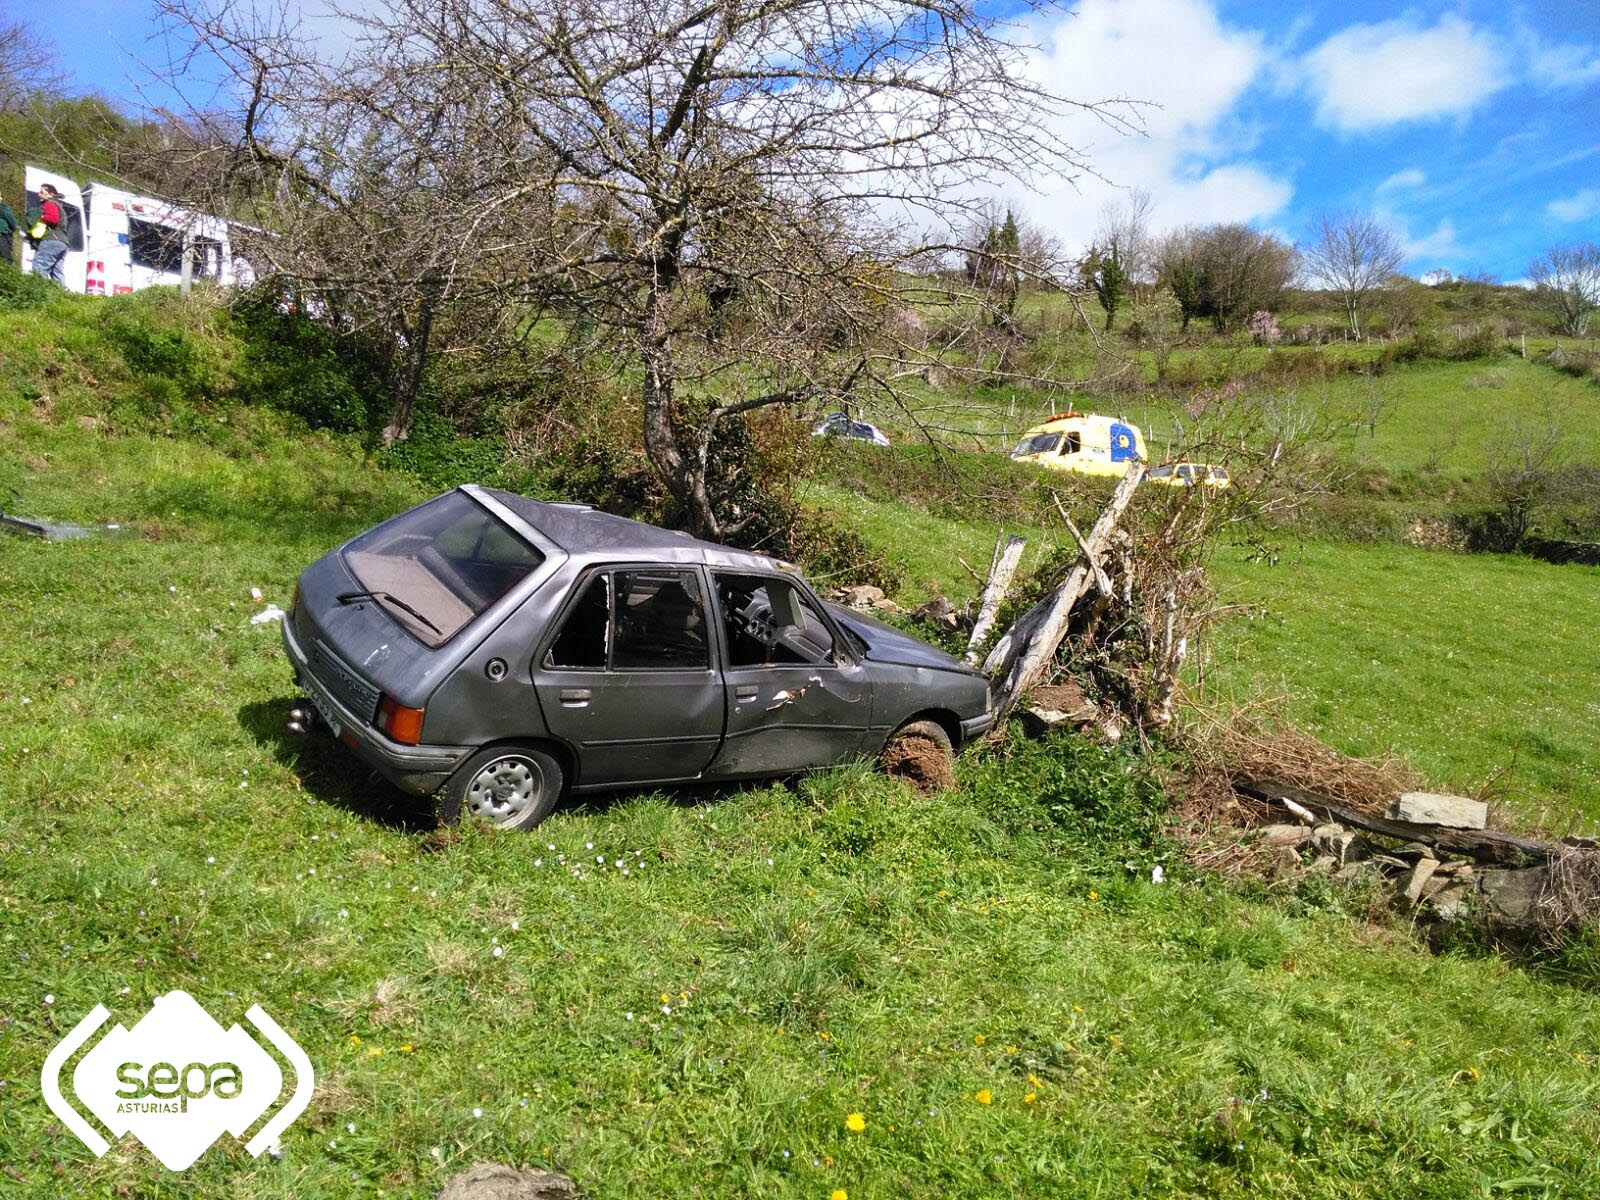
{"x":347,"y":597}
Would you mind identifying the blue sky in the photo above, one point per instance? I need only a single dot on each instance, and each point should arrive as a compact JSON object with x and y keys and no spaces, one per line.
{"x":1472,"y":128}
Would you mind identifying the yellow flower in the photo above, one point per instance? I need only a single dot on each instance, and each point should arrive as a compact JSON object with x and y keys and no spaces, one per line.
{"x":1094,"y":895}
{"x":839,"y":1194}
{"x":1011,"y":1049}
{"x":406,"y":1049}
{"x":666,"y":999}
{"x":1029,"y":1098}
{"x":354,"y":1040}
{"x":374,"y":1051}
{"x":683,"y":996}
{"x":827,"y":1160}
{"x":1473,"y":1074}
{"x":943,"y":893}
{"x":1077,"y":1008}
{"x":983,"y":1097}
{"x":1035,"y":1080}
{"x":980,"y":1039}
{"x":823,"y":1034}
{"x":1116,"y":1042}
{"x":855,"y":1122}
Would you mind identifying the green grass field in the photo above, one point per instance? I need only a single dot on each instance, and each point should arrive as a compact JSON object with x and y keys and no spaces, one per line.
{"x":986,"y":977}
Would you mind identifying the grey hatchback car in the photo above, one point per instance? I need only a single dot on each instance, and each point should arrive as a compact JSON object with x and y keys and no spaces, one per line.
{"x":497,"y":652}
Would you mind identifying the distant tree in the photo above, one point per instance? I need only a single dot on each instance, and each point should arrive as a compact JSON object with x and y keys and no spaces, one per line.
{"x":994,"y":263}
{"x":27,"y":66}
{"x":1105,"y":274}
{"x":1263,"y":327}
{"x":1226,"y":272}
{"x":1353,"y":255}
{"x":1126,"y":225}
{"x":1566,"y":282}
{"x":1524,"y":469}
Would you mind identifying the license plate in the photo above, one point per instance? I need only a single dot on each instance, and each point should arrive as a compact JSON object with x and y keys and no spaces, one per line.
{"x":325,"y":711}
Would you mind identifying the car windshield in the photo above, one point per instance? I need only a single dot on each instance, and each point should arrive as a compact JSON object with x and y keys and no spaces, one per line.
{"x":1039,"y":443}
{"x":1160,"y":472}
{"x":446,"y":561}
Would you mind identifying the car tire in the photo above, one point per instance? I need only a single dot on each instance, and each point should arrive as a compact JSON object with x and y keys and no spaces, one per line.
{"x":921,"y":753}
{"x":509,"y":787}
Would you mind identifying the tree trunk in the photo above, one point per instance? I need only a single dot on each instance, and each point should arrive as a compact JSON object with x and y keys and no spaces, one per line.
{"x":399,"y":426}
{"x":684,"y":474}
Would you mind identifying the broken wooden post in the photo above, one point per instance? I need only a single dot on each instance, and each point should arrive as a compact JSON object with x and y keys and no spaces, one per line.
{"x":994,"y":592}
{"x":1048,"y":620}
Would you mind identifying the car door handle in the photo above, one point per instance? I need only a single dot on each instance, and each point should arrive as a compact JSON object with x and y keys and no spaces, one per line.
{"x":574,"y":697}
{"x":744,"y":695}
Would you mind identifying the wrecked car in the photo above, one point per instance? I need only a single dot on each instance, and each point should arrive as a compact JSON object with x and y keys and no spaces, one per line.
{"x":498,"y":652}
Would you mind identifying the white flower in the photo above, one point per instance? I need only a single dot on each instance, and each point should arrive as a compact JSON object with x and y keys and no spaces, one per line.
{"x":49,"y":999}
{"x":588,"y":845}
{"x":499,"y":950}
{"x":538,"y":862}
{"x":210,"y":858}
{"x":550,"y":846}
{"x":1157,"y":874}
{"x":627,"y":1016}
{"x":350,"y":1127}
{"x":601,"y":859}
{"x":477,"y":1112}
{"x":344,"y":912}
{"x":666,"y":1010}
{"x":515,"y":925}
{"x":624,"y":872}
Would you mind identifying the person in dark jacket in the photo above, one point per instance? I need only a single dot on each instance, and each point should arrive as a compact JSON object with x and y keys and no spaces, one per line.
{"x":8,"y":229}
{"x":50,"y":253}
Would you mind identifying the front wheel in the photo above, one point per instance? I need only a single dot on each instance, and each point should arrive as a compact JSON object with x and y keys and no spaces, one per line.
{"x":509,"y":787}
{"x":920,"y":752}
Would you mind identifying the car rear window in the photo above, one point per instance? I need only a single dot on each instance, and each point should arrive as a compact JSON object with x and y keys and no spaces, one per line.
{"x":448,"y":561}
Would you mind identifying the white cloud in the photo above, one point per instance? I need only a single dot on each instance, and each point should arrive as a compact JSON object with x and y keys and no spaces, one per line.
{"x":1189,"y":71}
{"x":1554,"y":65}
{"x":1434,"y":246}
{"x":1369,"y":76}
{"x":1404,"y":180}
{"x":1580,"y":206}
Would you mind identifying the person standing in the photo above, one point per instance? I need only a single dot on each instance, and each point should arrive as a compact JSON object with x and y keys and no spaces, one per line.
{"x":8,"y":229}
{"x":49,"y":233}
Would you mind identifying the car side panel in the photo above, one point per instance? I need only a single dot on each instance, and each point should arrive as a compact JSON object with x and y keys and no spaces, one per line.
{"x":900,"y":692}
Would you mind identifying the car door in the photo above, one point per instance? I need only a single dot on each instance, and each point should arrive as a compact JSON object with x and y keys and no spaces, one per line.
{"x":794,"y":698}
{"x":628,"y":678}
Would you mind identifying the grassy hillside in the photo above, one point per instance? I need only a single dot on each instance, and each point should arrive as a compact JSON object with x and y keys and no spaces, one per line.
{"x":987,"y":977}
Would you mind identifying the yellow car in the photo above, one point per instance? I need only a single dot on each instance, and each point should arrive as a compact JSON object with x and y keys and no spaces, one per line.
{"x":1082,"y":442}
{"x":1190,"y":475}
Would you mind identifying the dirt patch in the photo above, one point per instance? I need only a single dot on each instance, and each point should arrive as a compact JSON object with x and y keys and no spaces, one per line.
{"x":495,"y":1181}
{"x":921,"y":762}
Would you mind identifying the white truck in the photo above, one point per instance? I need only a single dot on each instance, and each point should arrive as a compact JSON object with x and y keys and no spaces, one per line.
{"x":120,"y":242}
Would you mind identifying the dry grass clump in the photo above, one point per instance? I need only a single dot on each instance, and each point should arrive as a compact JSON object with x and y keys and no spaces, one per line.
{"x":1571,"y":896}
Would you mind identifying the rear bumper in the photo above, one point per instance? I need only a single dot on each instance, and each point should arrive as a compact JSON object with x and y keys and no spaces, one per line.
{"x":419,"y":770}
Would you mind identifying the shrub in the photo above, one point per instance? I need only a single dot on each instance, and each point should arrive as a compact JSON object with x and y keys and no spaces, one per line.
{"x":303,"y":366}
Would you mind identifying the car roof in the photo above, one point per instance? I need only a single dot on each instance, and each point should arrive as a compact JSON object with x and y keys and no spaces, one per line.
{"x":586,"y":532}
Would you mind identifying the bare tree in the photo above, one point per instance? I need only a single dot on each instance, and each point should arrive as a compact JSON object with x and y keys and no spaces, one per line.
{"x":1524,"y":468}
{"x":1125,"y":227}
{"x":27,"y":66}
{"x":1566,"y":282}
{"x":1353,"y":255}
{"x":721,"y":197}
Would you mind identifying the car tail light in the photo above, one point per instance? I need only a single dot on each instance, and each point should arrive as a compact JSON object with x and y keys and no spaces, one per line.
{"x":402,"y":724}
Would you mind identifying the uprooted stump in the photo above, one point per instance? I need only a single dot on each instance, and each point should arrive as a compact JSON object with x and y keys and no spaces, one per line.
{"x":921,"y":762}
{"x":496,"y":1181}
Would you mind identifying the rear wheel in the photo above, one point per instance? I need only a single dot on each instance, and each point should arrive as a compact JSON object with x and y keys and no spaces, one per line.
{"x":509,"y":787}
{"x":920,"y":752}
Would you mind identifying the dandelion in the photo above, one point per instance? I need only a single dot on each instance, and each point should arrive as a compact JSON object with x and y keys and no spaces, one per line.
{"x":982,"y":1096}
{"x":855,"y":1123}
{"x":355,"y":1039}
{"x":1035,"y":1080}
{"x":665,"y":998}
{"x":1029,"y":1098}
{"x":839,"y":1194}
{"x":1116,"y":1042}
{"x":1011,"y":1049}
{"x":980,"y":1039}
{"x":1093,"y":895}
{"x":823,"y":1034}
{"x":407,"y":1048}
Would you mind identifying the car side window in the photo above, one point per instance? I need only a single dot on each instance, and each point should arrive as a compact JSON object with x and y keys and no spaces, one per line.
{"x":769,"y":622}
{"x":581,"y":645}
{"x":659,"y":622}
